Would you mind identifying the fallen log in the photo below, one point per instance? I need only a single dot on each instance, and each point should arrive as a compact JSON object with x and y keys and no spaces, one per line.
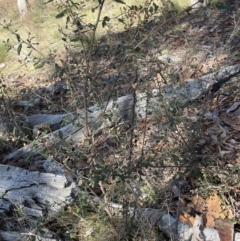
{"x":29,"y":195}
{"x":120,"y":110}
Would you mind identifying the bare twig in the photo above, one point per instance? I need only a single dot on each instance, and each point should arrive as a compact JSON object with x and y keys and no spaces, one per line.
{"x":134,"y":86}
{"x":88,"y":60}
{"x":106,"y":207}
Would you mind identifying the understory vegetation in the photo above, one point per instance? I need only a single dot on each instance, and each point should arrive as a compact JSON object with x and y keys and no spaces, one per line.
{"x":148,"y":51}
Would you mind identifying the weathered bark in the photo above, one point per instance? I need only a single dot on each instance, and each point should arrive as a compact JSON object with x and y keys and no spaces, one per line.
{"x":29,"y":195}
{"x":23,"y":7}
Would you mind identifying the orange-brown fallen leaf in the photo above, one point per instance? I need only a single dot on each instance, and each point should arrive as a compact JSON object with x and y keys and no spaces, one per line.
{"x":212,"y":209}
{"x":209,"y":219}
{"x":225,"y":229}
{"x":199,"y":203}
{"x":233,"y":121}
{"x":217,"y":207}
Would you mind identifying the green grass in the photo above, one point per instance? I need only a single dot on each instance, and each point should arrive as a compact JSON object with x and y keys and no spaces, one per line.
{"x":3,"y":52}
{"x":43,"y":25}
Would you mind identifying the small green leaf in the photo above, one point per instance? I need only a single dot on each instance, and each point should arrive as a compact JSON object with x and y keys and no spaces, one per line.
{"x":121,"y":20}
{"x":61,"y":14}
{"x":60,"y":134}
{"x":14,"y":131}
{"x":22,"y":91}
{"x":103,"y":23}
{"x":60,"y":73}
{"x":119,"y":1}
{"x":79,"y":25}
{"x":67,"y":20}
{"x":39,"y":65}
{"x":57,"y":67}
{"x":74,"y":39}
{"x":134,"y":7}
{"x":155,"y":6}
{"x":19,"y":49}
{"x":42,"y":232}
{"x":106,"y":18}
{"x":18,"y":37}
{"x":141,"y":173}
{"x":137,"y":49}
{"x":29,"y":53}
{"x":48,"y":1}
{"x":150,"y":9}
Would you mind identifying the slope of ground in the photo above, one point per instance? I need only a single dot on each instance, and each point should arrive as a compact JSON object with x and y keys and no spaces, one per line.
{"x":199,"y":143}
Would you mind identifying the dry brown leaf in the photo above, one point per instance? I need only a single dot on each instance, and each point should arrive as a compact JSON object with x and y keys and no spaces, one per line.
{"x":199,"y":204}
{"x":222,"y":57}
{"x":212,"y":209}
{"x":233,"y":121}
{"x":158,"y":146}
{"x":225,"y":229}
{"x":237,"y":160}
{"x":209,"y":219}
{"x":186,"y":218}
{"x":69,"y":100}
{"x":215,"y":205}
{"x":215,"y":209}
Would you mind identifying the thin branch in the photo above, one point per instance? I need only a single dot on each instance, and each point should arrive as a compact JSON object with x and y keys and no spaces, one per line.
{"x":88,"y":67}
{"x":134,"y":85}
{"x":22,"y":41}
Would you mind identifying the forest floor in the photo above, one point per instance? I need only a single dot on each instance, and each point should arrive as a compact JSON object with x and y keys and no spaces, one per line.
{"x":204,"y":134}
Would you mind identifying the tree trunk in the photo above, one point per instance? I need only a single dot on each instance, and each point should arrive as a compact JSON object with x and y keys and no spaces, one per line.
{"x":198,"y":3}
{"x":23,"y":7}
